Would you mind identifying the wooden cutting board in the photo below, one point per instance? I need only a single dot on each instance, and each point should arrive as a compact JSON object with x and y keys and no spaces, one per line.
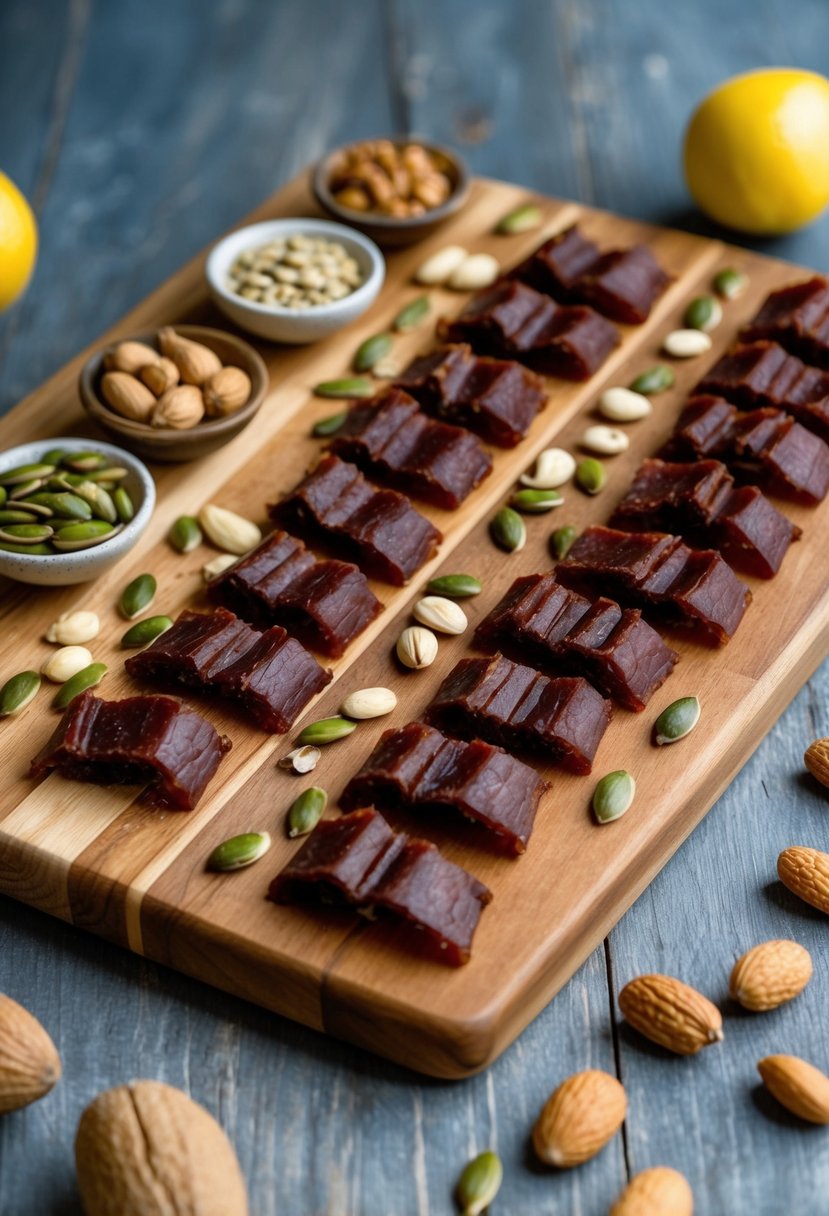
{"x":98,"y":858}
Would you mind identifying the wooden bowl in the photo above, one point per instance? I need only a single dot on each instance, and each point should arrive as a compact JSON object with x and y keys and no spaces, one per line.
{"x":388,"y":229}
{"x":166,"y":444}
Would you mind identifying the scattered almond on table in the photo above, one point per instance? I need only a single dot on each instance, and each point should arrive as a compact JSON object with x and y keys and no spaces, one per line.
{"x":671,"y":1013}
{"x":770,"y":974}
{"x":659,"y":1191}
{"x":29,"y":1062}
{"x":579,"y":1118}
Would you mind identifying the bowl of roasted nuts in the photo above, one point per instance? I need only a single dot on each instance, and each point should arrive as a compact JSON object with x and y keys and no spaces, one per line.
{"x":295,"y":280}
{"x":396,"y":191}
{"x":175,"y":393}
{"x":69,"y":509}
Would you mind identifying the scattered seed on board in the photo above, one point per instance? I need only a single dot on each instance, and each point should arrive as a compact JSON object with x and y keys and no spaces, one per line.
{"x":622,"y":405}
{"x":368,"y":703}
{"x":74,"y":628}
{"x":553,"y":468}
{"x":347,"y":386}
{"x":137,"y":596}
{"x":417,"y":647}
{"x":412,"y":314}
{"x":590,"y":475}
{"x":437,"y":268}
{"x":328,"y":426}
{"x":522,"y":219}
{"x":479,"y":1183}
{"x":686,"y":343}
{"x":301,"y":759}
{"x":370,"y":352}
{"x":676,"y":721}
{"x":441,"y":614}
{"x":18,"y":692}
{"x":477,"y":271}
{"x":306,"y":811}
{"x":458,"y":586}
{"x":144,"y":632}
{"x":704,"y":312}
{"x":185,"y":534}
{"x":607,"y":440}
{"x":535,"y":502}
{"x":508,"y":530}
{"x":217,"y":566}
{"x":730,"y":283}
{"x":561,"y":541}
{"x":239,"y":851}
{"x":326,"y":730}
{"x":65,"y":663}
{"x":85,"y":679}
{"x":613,"y":796}
{"x":227,"y":530}
{"x":655,"y":379}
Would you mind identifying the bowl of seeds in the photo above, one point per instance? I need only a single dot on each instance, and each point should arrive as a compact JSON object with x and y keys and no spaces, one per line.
{"x":294,"y":280}
{"x":69,"y":509}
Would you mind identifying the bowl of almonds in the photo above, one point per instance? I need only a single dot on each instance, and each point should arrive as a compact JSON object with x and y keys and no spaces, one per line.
{"x":175,"y":393}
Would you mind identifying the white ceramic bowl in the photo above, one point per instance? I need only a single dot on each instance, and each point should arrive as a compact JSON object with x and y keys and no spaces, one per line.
{"x":279,"y":324}
{"x":63,"y":569}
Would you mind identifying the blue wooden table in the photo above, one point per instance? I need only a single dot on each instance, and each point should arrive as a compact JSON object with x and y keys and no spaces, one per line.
{"x":140,"y":131}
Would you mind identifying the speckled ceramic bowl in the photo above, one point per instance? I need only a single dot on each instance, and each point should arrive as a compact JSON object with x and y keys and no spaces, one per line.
{"x":63,"y":569}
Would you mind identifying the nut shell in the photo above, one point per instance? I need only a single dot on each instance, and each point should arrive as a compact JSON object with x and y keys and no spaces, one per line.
{"x":805,"y":871}
{"x":816,"y":759}
{"x":671,"y":1013}
{"x":770,"y":974}
{"x":797,"y":1085}
{"x":579,"y":1118}
{"x":29,"y":1061}
{"x":660,"y":1191}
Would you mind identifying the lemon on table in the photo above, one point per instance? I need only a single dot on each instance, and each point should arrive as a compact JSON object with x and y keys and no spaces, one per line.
{"x":18,"y":242}
{"x":757,"y":150}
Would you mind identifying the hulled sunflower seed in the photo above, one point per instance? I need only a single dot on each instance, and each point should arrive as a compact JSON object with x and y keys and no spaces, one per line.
{"x":142,"y":633}
{"x":417,"y":647}
{"x":326,"y":730}
{"x":137,"y":596}
{"x":677,"y":720}
{"x":457,"y":586}
{"x":552,"y":469}
{"x":18,"y":692}
{"x":368,"y":703}
{"x":239,"y":851}
{"x":508,"y":531}
{"x":441,"y":614}
{"x":305,"y":812}
{"x":613,"y":795}
{"x":84,"y":679}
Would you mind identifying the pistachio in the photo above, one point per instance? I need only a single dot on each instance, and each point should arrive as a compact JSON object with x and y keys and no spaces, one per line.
{"x":535,"y":502}
{"x":655,"y":380}
{"x":590,"y":475}
{"x":686,"y":343}
{"x":137,"y":596}
{"x":561,"y":541}
{"x":123,"y":505}
{"x":353,"y":386}
{"x":185,"y":534}
{"x":613,"y":795}
{"x":18,"y":692}
{"x":475,"y":272}
{"x":368,"y":703}
{"x":84,"y":535}
{"x":301,"y":759}
{"x":417,"y":647}
{"x":328,"y":426}
{"x":458,"y":586}
{"x":553,"y":468}
{"x":441,"y":614}
{"x":372,"y":350}
{"x":622,"y":405}
{"x":730,"y":283}
{"x":86,"y":678}
{"x":522,"y":219}
{"x":677,"y":720}
{"x":479,"y":1183}
{"x":227,"y":530}
{"x":412,"y":314}
{"x":239,"y":851}
{"x":305,"y":812}
{"x":66,"y":663}
{"x":73,"y":628}
{"x":326,"y":730}
{"x":704,"y":312}
{"x":607,"y":440}
{"x":437,"y":268}
{"x":194,"y":360}
{"x":22,"y":474}
{"x":217,"y":566}
{"x":100,"y":501}
{"x":508,"y":531}
{"x":26,"y":534}
{"x":142,"y":633}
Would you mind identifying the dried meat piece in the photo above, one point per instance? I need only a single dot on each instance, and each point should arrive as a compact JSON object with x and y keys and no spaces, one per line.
{"x":151,"y":739}
{"x":551,"y":627}
{"x":418,"y":768}
{"x":270,"y":675}
{"x":325,"y":604}
{"x":390,"y":438}
{"x":797,"y":317}
{"x":555,"y":267}
{"x":496,"y":398}
{"x":513,"y":706}
{"x":335,"y":504}
{"x":361,"y":861}
{"x":764,"y":374}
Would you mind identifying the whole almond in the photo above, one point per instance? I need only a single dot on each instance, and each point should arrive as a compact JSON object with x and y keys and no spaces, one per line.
{"x":770,"y":974}
{"x":29,"y":1062}
{"x":805,"y":871}
{"x":659,"y":1191}
{"x":816,"y":759}
{"x":127,"y":396}
{"x":226,"y":391}
{"x":579,"y":1118}
{"x":181,"y":407}
{"x":130,"y":357}
{"x":797,"y":1085}
{"x":160,"y":376}
{"x":671,"y":1013}
{"x":194,"y":360}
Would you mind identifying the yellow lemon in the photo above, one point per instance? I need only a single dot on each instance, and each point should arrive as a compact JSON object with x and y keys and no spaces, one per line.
{"x":757,"y":150}
{"x":18,"y":242}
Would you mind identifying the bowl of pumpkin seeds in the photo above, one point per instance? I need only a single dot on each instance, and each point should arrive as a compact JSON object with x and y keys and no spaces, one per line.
{"x":69,"y":509}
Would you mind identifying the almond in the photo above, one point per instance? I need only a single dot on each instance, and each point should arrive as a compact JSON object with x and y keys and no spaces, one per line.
{"x":160,"y":376}
{"x":770,"y":974}
{"x":194,"y":360}
{"x":130,"y":357}
{"x":670,"y":1013}
{"x":805,"y":871}
{"x":226,"y":391}
{"x":816,"y":759}
{"x":579,"y":1118}
{"x":127,"y":396}
{"x":797,"y":1085}
{"x":29,"y":1062}
{"x":655,"y":1192}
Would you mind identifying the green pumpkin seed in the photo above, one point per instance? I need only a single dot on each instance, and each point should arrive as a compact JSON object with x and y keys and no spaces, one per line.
{"x":65,"y":505}
{"x":356,"y":386}
{"x":561,"y":541}
{"x":185,"y":534}
{"x":142,"y":633}
{"x":412,"y":314}
{"x":703,"y":313}
{"x":26,"y":534}
{"x":123,"y":505}
{"x":508,"y":531}
{"x":613,"y":796}
{"x":12,"y":516}
{"x":456,"y":586}
{"x":84,"y":536}
{"x":3,"y":495}
{"x":99,"y":500}
{"x":35,"y":510}
{"x":372,"y":351}
{"x":54,"y":456}
{"x":17,"y":692}
{"x":137,"y":596}
{"x":536,"y":502}
{"x":590,"y":475}
{"x":655,"y":380}
{"x":41,"y":549}
{"x":479,"y":1183}
{"x":730,"y":283}
{"x":26,"y":487}
{"x":106,"y":475}
{"x":63,"y":481}
{"x":329,"y":425}
{"x":239,"y":851}
{"x":677,"y":721}
{"x":306,"y":811}
{"x":326,"y":730}
{"x":522,"y":219}
{"x":86,"y":678}
{"x":23,"y":473}
{"x":84,"y":462}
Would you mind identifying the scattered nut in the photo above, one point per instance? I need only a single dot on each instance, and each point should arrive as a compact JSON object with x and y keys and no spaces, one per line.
{"x":369,"y":703}
{"x":440,"y":614}
{"x":553,"y":468}
{"x":438,"y":268}
{"x":806,"y":872}
{"x":227,"y":530}
{"x":65,"y":663}
{"x":217,"y":566}
{"x":659,"y":1191}
{"x":579,"y":1118}
{"x":73,"y":628}
{"x":623,"y":405}
{"x":29,"y":1062}
{"x":770,"y":974}
{"x":671,"y":1013}
{"x":477,"y":271}
{"x":417,"y":647}
{"x":686,"y":343}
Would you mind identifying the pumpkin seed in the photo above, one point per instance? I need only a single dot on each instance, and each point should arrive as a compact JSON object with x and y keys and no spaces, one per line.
{"x":12,"y":516}
{"x":561,"y":541}
{"x":412,"y":314}
{"x":123,"y":505}
{"x":84,"y":536}
{"x":328,"y":426}
{"x":686,"y":343}
{"x":621,"y":405}
{"x":704,"y":312}
{"x":106,"y":475}
{"x":54,"y":456}
{"x":369,"y":703}
{"x":479,"y":1183}
{"x":25,"y":488}
{"x":66,"y":663}
{"x":99,"y":500}
{"x":26,"y":534}
{"x":35,"y":510}
{"x":655,"y":380}
{"x":239,"y":851}
{"x":88,"y":677}
{"x":613,"y":795}
{"x":326,"y":730}
{"x":417,"y":647}
{"x":185,"y":534}
{"x":590,"y":475}
{"x":608,"y":440}
{"x":23,"y":473}
{"x":371,"y":351}
{"x":64,"y":505}
{"x":456,"y":586}
{"x":3,"y":496}
{"x":301,"y":759}
{"x":355,"y":386}
{"x":84,"y":462}
{"x":305,"y":812}
{"x":137,"y":596}
{"x":677,"y":720}
{"x":553,"y":468}
{"x":17,"y":692}
{"x":40,"y":550}
{"x":508,"y":531}
{"x":522,"y":219}
{"x":730,"y":283}
{"x":142,"y":633}
{"x":535,"y":502}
